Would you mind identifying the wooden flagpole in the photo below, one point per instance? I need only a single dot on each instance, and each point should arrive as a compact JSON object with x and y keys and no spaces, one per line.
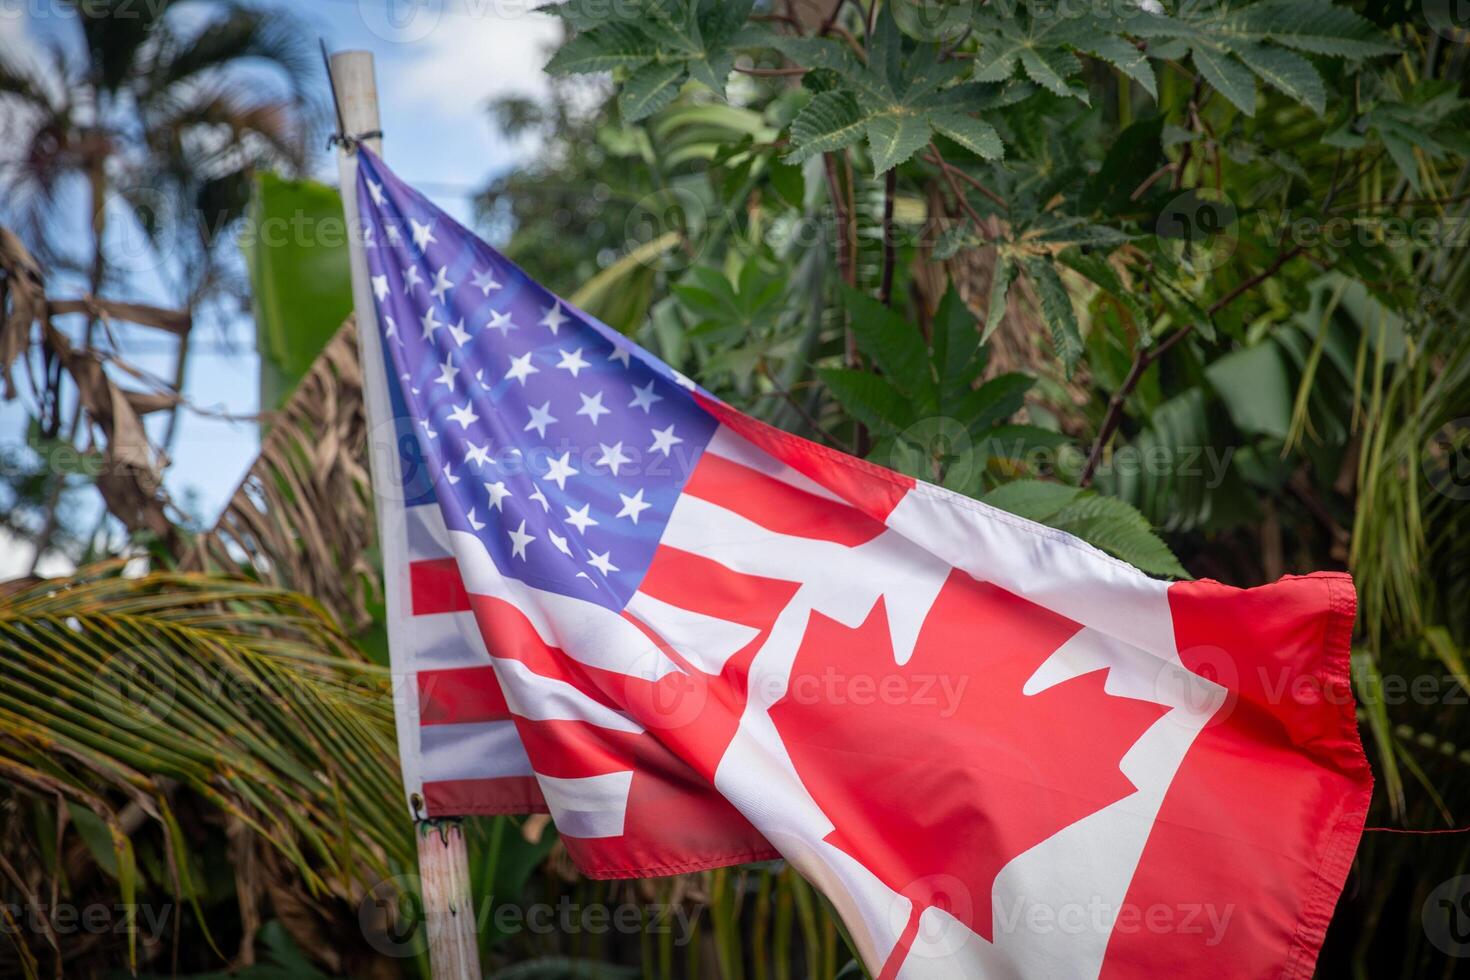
{"x":444,"y":871}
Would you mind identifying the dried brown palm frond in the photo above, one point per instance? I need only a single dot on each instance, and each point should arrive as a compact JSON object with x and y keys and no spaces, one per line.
{"x":131,"y":474}
{"x":302,"y":517}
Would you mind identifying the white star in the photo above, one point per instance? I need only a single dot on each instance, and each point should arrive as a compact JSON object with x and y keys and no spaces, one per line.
{"x":663,"y":440}
{"x":380,"y":287}
{"x":475,"y":525}
{"x":539,"y":497}
{"x":554,"y":318}
{"x":465,"y":414}
{"x":394,"y":235}
{"x":457,"y":331}
{"x":480,"y":454}
{"x":441,"y":285}
{"x":430,"y":324}
{"x":633,"y":506}
{"x":392,"y":330}
{"x":592,"y":407}
{"x":572,"y":361}
{"x":447,"y":374}
{"x":422,"y":234}
{"x":498,"y":492}
{"x":580,"y":519}
{"x":541,"y":418}
{"x":411,"y":278}
{"x":559,"y":541}
{"x":612,"y":456}
{"x":644,"y":398}
{"x":521,"y":368}
{"x":369,"y":237}
{"x":518,"y":541}
{"x":450,"y":476}
{"x":484,"y":280}
{"x":500,"y":321}
{"x":376,"y":190}
{"x":560,"y":469}
{"x":603,"y":562}
{"x":620,"y":353}
{"x":428,"y":431}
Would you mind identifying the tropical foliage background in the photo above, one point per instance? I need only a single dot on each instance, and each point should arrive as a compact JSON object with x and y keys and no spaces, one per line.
{"x":1188,"y":280}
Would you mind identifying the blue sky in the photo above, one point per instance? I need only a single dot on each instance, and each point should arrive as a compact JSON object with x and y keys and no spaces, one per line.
{"x":438,"y":63}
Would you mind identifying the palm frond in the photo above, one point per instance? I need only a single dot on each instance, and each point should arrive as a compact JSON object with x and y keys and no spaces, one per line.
{"x":115,"y":691}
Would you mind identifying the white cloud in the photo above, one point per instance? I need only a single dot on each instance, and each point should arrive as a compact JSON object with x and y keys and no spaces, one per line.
{"x":480,"y":50}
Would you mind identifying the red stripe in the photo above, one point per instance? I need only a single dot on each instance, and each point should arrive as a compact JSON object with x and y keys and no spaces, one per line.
{"x":509,"y":635}
{"x":778,"y":506}
{"x":483,"y":797}
{"x":460,"y":695}
{"x":703,"y":585}
{"x":436,"y":587}
{"x":873,"y":489}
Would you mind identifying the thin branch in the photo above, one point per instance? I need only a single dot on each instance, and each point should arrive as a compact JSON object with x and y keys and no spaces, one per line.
{"x":773,"y":72}
{"x":890,"y":251}
{"x":951,"y":170}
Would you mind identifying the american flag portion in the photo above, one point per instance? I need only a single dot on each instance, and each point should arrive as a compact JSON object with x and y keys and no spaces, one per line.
{"x":698,"y":641}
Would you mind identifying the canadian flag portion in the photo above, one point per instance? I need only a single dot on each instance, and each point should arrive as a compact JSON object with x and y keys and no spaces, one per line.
{"x":698,"y":641}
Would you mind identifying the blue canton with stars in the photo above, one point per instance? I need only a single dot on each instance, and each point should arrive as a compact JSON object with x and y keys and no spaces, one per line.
{"x":556,"y":441}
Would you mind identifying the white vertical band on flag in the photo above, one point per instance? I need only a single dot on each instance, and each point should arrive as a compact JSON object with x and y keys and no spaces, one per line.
{"x":478,"y":750}
{"x":387,"y":479}
{"x":444,"y":641}
{"x":592,"y":806}
{"x":427,"y":536}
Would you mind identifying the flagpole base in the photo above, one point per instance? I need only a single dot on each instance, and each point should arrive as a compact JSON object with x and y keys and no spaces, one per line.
{"x":449,"y":914}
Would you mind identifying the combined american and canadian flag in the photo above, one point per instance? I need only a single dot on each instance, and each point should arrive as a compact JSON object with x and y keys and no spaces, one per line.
{"x":698,"y":641}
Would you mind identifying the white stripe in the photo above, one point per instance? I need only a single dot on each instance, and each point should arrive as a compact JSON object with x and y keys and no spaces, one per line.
{"x":705,"y":641}
{"x":428,"y":538}
{"x":481,"y":750}
{"x":593,"y":806}
{"x":539,"y":698}
{"x":588,"y":633}
{"x":729,"y":444}
{"x":446,"y":640}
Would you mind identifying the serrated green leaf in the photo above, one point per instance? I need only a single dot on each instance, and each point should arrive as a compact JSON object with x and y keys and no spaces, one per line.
{"x":1000,"y":285}
{"x":614,"y":45}
{"x":1050,"y":69}
{"x":956,"y":342}
{"x":867,"y":397}
{"x":995,"y":401}
{"x":890,"y":341}
{"x":830,"y":121}
{"x":1119,"y":529}
{"x":1035,"y":500}
{"x":1316,"y":27}
{"x":1125,"y":57}
{"x":1287,"y":72}
{"x":1227,"y":76}
{"x":975,"y":135}
{"x":1056,"y":310}
{"x":650,"y":89}
{"x":894,"y":137}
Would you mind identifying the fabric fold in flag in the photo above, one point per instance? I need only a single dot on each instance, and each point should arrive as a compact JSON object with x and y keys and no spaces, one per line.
{"x":696,"y":641}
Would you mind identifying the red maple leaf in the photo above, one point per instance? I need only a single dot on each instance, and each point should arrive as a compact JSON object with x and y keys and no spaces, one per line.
{"x":942,"y":770}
